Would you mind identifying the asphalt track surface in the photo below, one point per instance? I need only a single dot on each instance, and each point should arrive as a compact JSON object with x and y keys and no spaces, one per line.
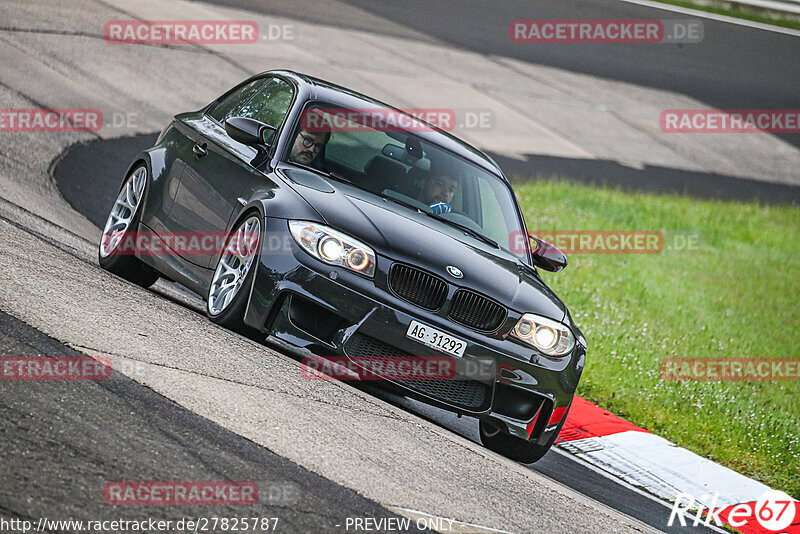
{"x":93,"y":195}
{"x":734,"y":67}
{"x":62,"y":438}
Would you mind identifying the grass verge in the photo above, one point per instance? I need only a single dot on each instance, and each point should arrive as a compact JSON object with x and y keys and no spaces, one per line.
{"x":740,"y":12}
{"x":736,"y":295}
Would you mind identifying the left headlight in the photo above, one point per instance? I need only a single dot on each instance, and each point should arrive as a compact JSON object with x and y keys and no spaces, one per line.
{"x":548,"y":336}
{"x":331,"y":246}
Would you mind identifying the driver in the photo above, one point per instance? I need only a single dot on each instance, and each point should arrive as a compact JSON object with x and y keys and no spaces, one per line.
{"x":308,"y":146}
{"x":437,"y":191}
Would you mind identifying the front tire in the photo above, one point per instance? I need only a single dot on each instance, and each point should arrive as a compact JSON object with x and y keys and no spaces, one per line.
{"x":122,"y":222}
{"x":520,"y":450}
{"x":234,"y":275}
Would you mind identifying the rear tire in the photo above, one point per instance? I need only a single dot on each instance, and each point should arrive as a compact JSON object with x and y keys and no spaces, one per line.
{"x":122,"y":222}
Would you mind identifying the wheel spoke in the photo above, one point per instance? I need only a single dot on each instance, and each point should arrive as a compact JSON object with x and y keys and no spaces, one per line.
{"x":113,"y":241}
{"x":138,"y":184}
{"x":227,"y":268}
{"x":224,"y":287}
{"x":116,"y":228}
{"x":241,"y":237}
{"x":228,"y":296}
{"x":252,"y":242}
{"x":130,"y":199}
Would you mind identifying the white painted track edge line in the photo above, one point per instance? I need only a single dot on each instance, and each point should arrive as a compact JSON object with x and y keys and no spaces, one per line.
{"x":714,"y":16}
{"x":623,"y":483}
{"x":791,"y":7}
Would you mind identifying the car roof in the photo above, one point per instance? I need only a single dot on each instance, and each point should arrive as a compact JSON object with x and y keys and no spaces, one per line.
{"x":316,"y":89}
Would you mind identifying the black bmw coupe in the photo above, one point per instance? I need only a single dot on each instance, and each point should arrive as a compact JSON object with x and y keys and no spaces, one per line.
{"x":335,"y":223}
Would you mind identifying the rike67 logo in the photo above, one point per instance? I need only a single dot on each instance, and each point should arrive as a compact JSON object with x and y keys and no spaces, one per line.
{"x":774,"y":511}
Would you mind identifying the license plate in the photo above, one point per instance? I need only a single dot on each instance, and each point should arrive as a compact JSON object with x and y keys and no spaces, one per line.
{"x":436,"y":339}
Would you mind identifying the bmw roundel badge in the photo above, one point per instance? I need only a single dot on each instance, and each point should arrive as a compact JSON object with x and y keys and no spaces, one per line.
{"x":455,"y":271}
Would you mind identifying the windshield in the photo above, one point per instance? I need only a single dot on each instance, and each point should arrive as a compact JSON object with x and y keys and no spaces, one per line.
{"x":378,"y":151}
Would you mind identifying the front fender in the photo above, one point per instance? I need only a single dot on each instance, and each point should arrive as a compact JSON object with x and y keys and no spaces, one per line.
{"x":274,"y":207}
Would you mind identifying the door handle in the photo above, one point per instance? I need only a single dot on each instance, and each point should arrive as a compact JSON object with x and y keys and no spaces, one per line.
{"x":200,"y":150}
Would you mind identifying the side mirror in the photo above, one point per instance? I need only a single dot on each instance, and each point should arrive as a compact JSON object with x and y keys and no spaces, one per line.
{"x":250,"y":132}
{"x":547,"y":256}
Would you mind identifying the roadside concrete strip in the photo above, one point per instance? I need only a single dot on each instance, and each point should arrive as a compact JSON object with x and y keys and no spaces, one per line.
{"x":714,"y":16}
{"x":655,"y":464}
{"x":784,"y":6}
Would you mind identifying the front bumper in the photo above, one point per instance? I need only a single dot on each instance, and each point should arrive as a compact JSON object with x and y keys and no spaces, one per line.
{"x":332,"y":311}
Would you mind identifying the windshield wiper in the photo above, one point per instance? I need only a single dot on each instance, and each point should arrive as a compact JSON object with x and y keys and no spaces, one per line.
{"x":401,"y":202}
{"x":330,"y":174}
{"x":336,"y":176}
{"x":465,"y":229}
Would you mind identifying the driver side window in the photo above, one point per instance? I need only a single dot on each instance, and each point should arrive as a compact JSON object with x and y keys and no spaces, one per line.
{"x":266,"y":100}
{"x":228,"y":106}
{"x":270,"y":104}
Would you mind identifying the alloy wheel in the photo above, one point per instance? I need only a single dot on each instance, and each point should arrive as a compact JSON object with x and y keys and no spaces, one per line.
{"x":234,"y":265}
{"x":123,"y":211}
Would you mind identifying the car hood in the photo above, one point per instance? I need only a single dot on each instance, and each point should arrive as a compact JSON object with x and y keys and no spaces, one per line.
{"x":402,"y":234}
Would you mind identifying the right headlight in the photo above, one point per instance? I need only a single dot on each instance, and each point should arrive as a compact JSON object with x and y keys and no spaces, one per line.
{"x":331,"y":246}
{"x":548,"y":336}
